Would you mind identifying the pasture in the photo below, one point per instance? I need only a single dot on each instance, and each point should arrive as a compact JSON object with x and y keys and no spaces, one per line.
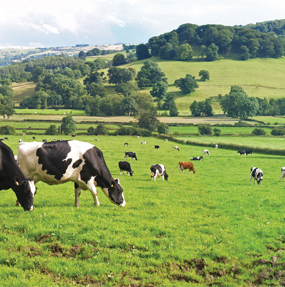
{"x":208,"y":228}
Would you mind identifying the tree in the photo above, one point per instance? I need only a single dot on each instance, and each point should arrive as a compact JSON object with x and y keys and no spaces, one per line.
{"x":184,"y":52}
{"x":244,"y":53}
{"x":127,"y":89}
{"x":119,"y":59}
{"x":142,"y":52}
{"x":51,"y":130}
{"x":212,"y":52}
{"x":148,"y":120}
{"x":205,"y":129}
{"x":118,"y":75}
{"x":173,"y":111}
{"x":149,"y":74}
{"x":101,"y":130}
{"x":237,"y":104}
{"x":162,"y":128}
{"x":7,"y":130}
{"x":95,"y":89}
{"x":195,"y":109}
{"x":208,"y":110}
{"x":187,"y":84}
{"x":159,"y":90}
{"x":68,"y":125}
{"x":259,"y":132}
{"x":82,"y":55}
{"x":128,"y":105}
{"x":205,"y":75}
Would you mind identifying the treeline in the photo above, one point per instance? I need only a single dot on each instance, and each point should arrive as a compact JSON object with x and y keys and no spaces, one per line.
{"x":275,"y":27}
{"x":214,"y":39}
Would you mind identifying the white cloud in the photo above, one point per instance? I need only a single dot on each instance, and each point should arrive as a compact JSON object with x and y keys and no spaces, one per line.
{"x":96,"y":20}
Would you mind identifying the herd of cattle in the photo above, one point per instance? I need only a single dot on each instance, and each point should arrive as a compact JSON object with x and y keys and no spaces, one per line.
{"x":58,"y":162}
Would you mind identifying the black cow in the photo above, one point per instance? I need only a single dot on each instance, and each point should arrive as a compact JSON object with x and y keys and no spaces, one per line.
{"x":62,"y":161}
{"x":125,"y":166}
{"x":131,"y":154}
{"x":156,"y":146}
{"x":197,"y":158}
{"x":158,"y":170}
{"x":11,"y":176}
{"x":257,"y":174}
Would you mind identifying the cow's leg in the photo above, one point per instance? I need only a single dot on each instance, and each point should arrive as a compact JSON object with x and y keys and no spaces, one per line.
{"x":91,"y":186}
{"x":250,"y":179}
{"x":77,"y":191}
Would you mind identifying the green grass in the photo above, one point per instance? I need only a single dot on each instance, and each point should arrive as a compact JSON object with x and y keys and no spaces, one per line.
{"x":208,"y":228}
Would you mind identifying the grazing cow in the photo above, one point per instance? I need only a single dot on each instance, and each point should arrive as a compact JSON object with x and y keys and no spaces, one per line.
{"x":176,"y":148}
{"x":131,"y":154}
{"x":143,"y":142}
{"x":216,"y":146}
{"x":62,"y":161}
{"x":125,"y":166}
{"x":73,"y":136}
{"x":197,"y":158}
{"x":95,"y":139}
{"x":186,"y":165}
{"x":5,"y":138}
{"x":156,"y":146}
{"x":11,"y":176}
{"x":44,"y":140}
{"x":282,"y":173}
{"x":34,"y":138}
{"x":245,"y":152}
{"x":206,"y":152}
{"x":166,"y":140}
{"x":158,"y":170}
{"x":126,"y":144}
{"x":257,"y":174}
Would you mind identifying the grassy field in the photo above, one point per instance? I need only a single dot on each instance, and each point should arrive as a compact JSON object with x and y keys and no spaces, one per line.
{"x":209,"y":228}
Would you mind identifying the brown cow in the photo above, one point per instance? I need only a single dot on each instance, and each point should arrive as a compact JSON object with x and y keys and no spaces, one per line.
{"x":186,"y":165}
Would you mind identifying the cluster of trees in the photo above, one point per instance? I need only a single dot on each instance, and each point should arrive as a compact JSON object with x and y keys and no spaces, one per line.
{"x":95,"y":52}
{"x":177,"y":44}
{"x":274,"y":27}
{"x":203,"y":108}
{"x":238,"y":104}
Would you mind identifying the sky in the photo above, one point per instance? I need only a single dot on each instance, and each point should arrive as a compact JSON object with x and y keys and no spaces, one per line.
{"x":54,"y":23}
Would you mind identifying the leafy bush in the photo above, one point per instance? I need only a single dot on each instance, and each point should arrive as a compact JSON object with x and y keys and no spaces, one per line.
{"x":52,"y":130}
{"x":259,"y":132}
{"x":205,"y":129}
{"x":217,"y":132}
{"x":7,"y":130}
{"x":91,"y":131}
{"x":278,"y":132}
{"x":100,"y":130}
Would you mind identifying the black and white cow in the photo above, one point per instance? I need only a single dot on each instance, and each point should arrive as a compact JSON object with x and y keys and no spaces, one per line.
{"x":143,"y":142}
{"x":131,"y":154}
{"x":166,"y":140}
{"x":158,"y":170}
{"x":282,"y":173}
{"x":11,"y":176}
{"x":257,"y":174}
{"x":125,"y":166}
{"x":126,"y":144}
{"x":245,"y":152}
{"x":62,"y":161}
{"x":216,"y":146}
{"x":197,"y":158}
{"x":156,"y":146}
{"x":176,"y":148}
{"x":206,"y":152}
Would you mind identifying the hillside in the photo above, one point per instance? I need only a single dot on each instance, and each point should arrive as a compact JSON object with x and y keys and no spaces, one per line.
{"x":261,"y":78}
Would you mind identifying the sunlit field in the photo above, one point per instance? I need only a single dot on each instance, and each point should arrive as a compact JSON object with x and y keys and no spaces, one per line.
{"x":208,"y":228}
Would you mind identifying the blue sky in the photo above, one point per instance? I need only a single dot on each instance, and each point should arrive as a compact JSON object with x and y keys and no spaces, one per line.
{"x":42,"y":23}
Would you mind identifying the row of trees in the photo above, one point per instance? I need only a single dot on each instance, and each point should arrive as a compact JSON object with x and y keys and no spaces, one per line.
{"x":177,"y":44}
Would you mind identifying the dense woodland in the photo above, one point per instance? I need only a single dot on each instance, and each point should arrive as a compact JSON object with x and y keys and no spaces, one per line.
{"x":57,"y":84}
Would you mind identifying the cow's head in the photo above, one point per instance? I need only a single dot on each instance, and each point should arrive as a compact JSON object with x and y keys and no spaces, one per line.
{"x":259,"y":178}
{"x":131,"y":173}
{"x":25,"y":191}
{"x":115,"y":193}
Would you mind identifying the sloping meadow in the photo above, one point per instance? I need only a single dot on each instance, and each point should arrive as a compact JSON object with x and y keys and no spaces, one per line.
{"x":208,"y":228}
